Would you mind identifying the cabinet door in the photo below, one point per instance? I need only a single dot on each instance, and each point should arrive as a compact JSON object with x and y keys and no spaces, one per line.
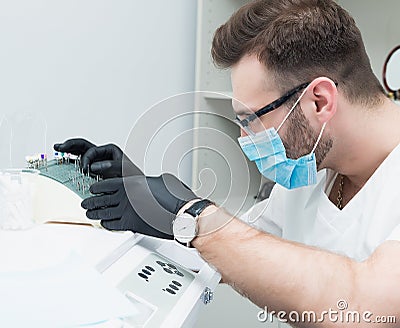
{"x":220,"y":169}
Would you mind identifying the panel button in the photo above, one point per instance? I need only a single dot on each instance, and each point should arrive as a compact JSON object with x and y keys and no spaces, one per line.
{"x":142,"y":275}
{"x":146,"y":272}
{"x":170,"y":291}
{"x":177,"y":283}
{"x":171,"y":266}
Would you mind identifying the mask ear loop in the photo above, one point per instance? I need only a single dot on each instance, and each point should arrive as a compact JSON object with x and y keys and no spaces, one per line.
{"x":319,"y":138}
{"x":291,"y":110}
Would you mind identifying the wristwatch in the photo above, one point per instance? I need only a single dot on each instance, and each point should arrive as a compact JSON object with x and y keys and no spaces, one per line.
{"x":185,"y":225}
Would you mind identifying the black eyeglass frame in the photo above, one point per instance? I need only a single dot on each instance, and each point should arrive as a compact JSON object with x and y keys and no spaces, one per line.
{"x":244,"y":123}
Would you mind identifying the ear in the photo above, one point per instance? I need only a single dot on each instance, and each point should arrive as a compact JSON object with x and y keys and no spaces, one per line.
{"x":320,"y":99}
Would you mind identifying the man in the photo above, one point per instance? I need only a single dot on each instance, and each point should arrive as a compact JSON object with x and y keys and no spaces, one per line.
{"x":319,"y":238}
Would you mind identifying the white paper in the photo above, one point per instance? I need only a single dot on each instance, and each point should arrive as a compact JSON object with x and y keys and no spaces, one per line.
{"x":46,"y":244}
{"x":47,"y":277}
{"x":67,"y":294}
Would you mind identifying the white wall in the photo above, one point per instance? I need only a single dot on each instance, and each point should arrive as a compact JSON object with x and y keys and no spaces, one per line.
{"x":379,"y":23}
{"x":88,"y":68}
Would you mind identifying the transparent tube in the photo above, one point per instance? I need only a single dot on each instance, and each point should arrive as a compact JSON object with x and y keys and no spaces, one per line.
{"x":16,"y":195}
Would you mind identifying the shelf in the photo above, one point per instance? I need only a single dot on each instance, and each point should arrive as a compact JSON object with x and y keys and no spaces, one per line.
{"x":223,"y":95}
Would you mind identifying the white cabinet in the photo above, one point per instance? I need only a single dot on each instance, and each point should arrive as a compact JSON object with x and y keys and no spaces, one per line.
{"x":220,"y":169}
{"x":217,"y":158}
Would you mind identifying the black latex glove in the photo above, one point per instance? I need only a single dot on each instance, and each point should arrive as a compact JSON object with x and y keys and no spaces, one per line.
{"x":138,"y":203}
{"x":108,"y":161}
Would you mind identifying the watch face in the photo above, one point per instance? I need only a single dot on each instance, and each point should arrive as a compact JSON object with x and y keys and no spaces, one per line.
{"x":184,"y":228}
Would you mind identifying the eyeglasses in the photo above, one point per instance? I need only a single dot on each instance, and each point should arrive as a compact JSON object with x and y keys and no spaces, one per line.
{"x":246,"y":122}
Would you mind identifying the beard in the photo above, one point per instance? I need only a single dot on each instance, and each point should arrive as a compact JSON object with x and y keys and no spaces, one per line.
{"x":300,"y":138}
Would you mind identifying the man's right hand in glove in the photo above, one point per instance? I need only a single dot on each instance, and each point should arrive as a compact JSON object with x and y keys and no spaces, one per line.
{"x":108,"y":161}
{"x":147,"y":205}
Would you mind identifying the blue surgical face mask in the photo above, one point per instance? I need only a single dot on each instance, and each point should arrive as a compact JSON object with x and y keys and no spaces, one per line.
{"x":266,"y":149}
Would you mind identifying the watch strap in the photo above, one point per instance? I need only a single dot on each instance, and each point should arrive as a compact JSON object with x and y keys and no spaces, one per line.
{"x":198,"y":207}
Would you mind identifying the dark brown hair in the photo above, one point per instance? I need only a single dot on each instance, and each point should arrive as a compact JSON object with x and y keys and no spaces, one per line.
{"x":299,"y":40}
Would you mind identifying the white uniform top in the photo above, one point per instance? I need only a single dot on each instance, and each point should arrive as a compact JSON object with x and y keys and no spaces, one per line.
{"x":306,"y":214}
